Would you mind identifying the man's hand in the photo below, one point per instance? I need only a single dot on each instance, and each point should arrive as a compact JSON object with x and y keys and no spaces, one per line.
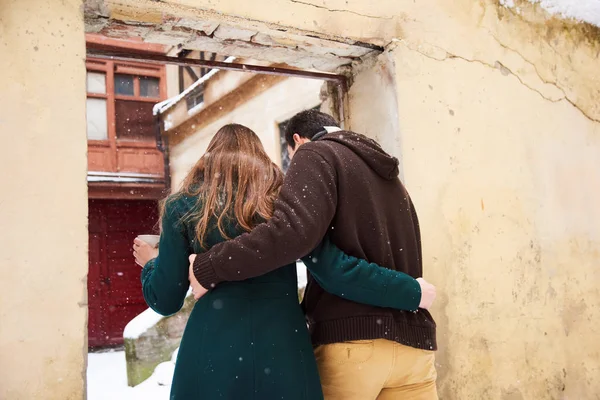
{"x":197,"y":289}
{"x":428,"y":293}
{"x":143,"y":252}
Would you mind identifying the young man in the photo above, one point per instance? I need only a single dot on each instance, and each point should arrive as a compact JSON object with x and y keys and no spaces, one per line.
{"x":342,"y":184}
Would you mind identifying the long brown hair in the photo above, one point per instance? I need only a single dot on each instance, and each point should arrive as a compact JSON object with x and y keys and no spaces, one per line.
{"x":234,"y":178}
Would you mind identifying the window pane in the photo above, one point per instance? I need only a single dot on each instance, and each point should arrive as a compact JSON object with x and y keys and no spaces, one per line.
{"x":96,"y":119}
{"x":195,"y":98}
{"x":96,"y":82}
{"x":124,"y":84}
{"x":149,"y":87}
{"x":134,"y":120}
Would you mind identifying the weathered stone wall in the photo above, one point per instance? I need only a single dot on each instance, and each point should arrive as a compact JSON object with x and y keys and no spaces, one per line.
{"x":199,"y":26}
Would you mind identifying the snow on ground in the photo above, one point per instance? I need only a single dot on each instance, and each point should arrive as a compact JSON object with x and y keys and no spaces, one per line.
{"x":107,"y":379}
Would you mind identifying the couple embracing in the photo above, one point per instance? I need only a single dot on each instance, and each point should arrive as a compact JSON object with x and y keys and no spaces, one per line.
{"x":234,"y":231}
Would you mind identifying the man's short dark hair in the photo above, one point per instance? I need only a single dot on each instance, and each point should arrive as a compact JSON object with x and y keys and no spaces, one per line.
{"x":307,"y":124}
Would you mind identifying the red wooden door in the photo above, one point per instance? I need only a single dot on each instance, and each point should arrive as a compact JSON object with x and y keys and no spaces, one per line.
{"x":114,"y":288}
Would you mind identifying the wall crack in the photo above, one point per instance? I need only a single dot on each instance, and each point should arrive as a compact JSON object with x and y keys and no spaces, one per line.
{"x":507,"y":71}
{"x":334,"y":10}
{"x":555,"y":83}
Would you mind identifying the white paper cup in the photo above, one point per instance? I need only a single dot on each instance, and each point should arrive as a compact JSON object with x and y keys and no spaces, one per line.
{"x":152,"y":240}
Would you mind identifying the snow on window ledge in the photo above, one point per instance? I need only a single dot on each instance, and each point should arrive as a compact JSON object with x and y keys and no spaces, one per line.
{"x":196,"y":109}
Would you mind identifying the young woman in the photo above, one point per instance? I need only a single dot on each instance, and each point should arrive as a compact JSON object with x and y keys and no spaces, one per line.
{"x":247,"y":339}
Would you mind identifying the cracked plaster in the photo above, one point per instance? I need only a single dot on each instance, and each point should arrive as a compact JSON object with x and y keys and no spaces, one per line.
{"x":556,"y":95}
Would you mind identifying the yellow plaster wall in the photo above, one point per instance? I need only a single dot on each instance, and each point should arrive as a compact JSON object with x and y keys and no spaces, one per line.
{"x":507,"y":185}
{"x":43,"y":208}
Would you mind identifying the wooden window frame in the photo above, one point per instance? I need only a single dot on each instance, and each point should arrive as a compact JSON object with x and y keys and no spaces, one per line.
{"x":138,"y":69}
{"x":92,"y":65}
{"x":110,"y":69}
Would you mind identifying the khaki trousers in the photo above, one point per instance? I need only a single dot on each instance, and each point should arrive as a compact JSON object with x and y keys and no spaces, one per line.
{"x":376,"y":370}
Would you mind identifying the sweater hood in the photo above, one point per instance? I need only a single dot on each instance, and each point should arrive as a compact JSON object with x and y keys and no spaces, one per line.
{"x":368,"y":150}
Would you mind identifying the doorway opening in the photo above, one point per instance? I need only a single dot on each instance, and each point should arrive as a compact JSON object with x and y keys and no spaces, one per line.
{"x":160,"y":125}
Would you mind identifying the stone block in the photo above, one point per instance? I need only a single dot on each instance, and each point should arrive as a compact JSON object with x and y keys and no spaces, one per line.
{"x":208,"y":27}
{"x":226,"y":32}
{"x":148,"y":346}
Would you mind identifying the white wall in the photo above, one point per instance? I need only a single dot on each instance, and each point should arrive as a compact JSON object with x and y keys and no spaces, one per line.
{"x":261,"y":114}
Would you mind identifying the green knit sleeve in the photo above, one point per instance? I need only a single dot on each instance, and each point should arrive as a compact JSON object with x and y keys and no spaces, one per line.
{"x":360,"y":281}
{"x":165,"y":279}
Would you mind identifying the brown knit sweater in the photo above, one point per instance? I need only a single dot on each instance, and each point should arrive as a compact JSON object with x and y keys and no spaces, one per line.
{"x":345,"y":185}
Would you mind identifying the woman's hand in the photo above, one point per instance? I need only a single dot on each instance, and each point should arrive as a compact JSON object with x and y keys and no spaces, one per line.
{"x":143,"y":252}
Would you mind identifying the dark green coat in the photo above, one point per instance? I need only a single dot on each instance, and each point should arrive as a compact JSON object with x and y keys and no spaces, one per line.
{"x":248,"y":339}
